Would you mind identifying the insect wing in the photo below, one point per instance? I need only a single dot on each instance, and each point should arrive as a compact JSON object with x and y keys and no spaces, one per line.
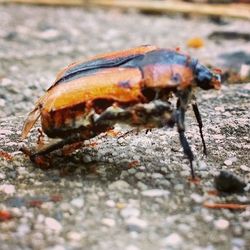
{"x":100,"y":62}
{"x":117,"y":84}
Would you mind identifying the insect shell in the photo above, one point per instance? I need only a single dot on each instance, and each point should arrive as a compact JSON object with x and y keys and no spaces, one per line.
{"x":131,"y":86}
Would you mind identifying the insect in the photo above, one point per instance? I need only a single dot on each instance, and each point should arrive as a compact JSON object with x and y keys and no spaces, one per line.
{"x":131,"y":86}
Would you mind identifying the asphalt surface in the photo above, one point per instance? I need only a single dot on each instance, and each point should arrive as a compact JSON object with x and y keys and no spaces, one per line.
{"x":131,"y":192}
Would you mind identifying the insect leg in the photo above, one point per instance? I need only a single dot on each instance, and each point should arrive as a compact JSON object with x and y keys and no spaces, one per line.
{"x":199,"y":121}
{"x":180,"y":118}
{"x":128,"y":132}
{"x":58,"y":145}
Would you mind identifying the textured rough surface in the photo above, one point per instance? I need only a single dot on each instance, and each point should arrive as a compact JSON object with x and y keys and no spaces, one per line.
{"x":117,"y":193}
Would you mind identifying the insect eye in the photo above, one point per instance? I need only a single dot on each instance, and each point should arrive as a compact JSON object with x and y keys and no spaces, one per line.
{"x":203,"y":77}
{"x":176,"y":78}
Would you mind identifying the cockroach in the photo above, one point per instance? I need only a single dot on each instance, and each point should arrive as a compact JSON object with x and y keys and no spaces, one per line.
{"x":131,"y":86}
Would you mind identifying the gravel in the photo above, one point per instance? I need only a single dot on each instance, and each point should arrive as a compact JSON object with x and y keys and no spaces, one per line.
{"x":94,"y":199}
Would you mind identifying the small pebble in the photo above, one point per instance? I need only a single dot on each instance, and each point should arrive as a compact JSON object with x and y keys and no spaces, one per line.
{"x":155,"y":193}
{"x":184,"y":228}
{"x":230,"y":161}
{"x":132,"y":247}
{"x":130,"y":212}
{"x":242,"y":199}
{"x":136,"y":224}
{"x":173,"y":240}
{"x":245,"y":168}
{"x":2,"y":176}
{"x":197,"y":198}
{"x":5,"y":82}
{"x":22,"y":171}
{"x":244,"y":71}
{"x":247,"y":187}
{"x":140,"y":175}
{"x":108,"y":222}
{"x":219,"y":137}
{"x":120,"y":205}
{"x":246,"y":225}
{"x":142,"y":186}
{"x":57,"y":247}
{"x":77,"y":202}
{"x":119,"y":185}
{"x":49,"y":34}
{"x":179,"y":187}
{"x":53,"y":224}
{"x":237,"y":230}
{"x":23,"y":229}
{"x":221,"y":224}
{"x":227,"y":114}
{"x":2,"y":102}
{"x":220,"y":109}
{"x":203,"y":166}
{"x":87,"y":158}
{"x":157,"y":176}
{"x":8,"y":189}
{"x":239,"y":243}
{"x":229,"y":183}
{"x":74,"y":236}
{"x":110,"y":203}
{"x":132,"y":171}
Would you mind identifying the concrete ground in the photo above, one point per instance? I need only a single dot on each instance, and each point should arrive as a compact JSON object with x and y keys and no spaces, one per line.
{"x":118,"y":193}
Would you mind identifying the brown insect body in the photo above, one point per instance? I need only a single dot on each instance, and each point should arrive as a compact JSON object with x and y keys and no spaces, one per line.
{"x":129,"y":86}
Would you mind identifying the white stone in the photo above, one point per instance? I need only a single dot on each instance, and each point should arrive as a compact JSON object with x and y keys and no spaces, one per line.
{"x":119,"y":185}
{"x":246,"y":225}
{"x":2,"y":102}
{"x":203,"y":166}
{"x":22,"y":170}
{"x":130,"y":212}
{"x":197,"y":198}
{"x":140,"y":175}
{"x":228,"y":162}
{"x":157,"y":176}
{"x":49,"y":34}
{"x":244,"y":71}
{"x":53,"y":224}
{"x":131,"y":247}
{"x":247,"y":188}
{"x":155,"y":193}
{"x":23,"y":230}
{"x":173,"y":239}
{"x":108,"y":222}
{"x":219,"y":108}
{"x":77,"y":202}
{"x":40,"y":218}
{"x":74,"y":236}
{"x":134,"y":221}
{"x":219,"y":137}
{"x":245,"y":168}
{"x":6,"y":82}
{"x":8,"y":189}
{"x":110,"y":203}
{"x":2,"y":176}
{"x":57,"y":247}
{"x":228,"y":114}
{"x":221,"y":224}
